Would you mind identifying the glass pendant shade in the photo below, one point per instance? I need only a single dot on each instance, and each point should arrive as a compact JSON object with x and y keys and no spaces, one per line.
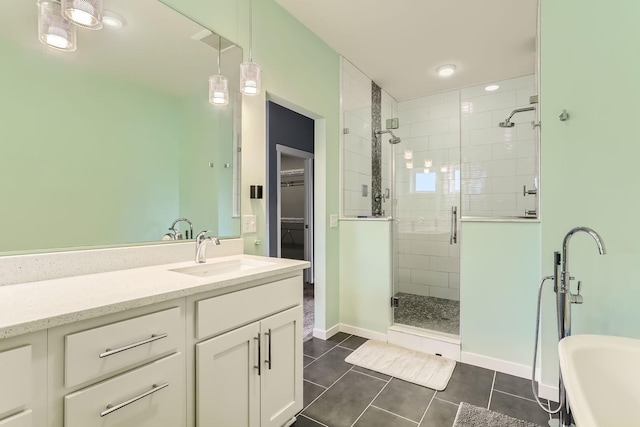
{"x":84,"y":13}
{"x":250,"y":78}
{"x":53,"y":29}
{"x":218,"y":90}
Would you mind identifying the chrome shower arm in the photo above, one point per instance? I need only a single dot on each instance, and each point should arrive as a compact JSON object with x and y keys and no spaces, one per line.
{"x":519,"y":110}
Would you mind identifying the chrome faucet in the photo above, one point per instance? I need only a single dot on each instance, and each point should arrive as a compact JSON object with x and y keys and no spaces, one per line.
{"x":176,"y":233}
{"x":201,"y":244}
{"x":564,"y":299}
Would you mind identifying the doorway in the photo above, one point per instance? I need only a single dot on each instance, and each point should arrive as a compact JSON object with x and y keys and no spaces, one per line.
{"x":290,"y":190}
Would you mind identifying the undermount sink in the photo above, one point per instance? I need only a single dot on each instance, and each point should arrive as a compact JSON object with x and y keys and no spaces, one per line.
{"x":222,"y":267}
{"x":602,"y":377}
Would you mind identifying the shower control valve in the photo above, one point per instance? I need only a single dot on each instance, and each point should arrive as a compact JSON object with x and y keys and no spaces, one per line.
{"x":576,"y":298}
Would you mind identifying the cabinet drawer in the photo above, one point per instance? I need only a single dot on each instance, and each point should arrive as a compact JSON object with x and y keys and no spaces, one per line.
{"x":132,"y":398}
{"x":95,"y":352}
{"x":15,"y":372}
{"x":23,"y":419}
{"x":220,"y":314}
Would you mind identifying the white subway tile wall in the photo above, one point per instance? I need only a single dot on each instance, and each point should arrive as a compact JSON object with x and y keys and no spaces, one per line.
{"x":476,"y":166}
{"x":498,"y":162}
{"x":427,"y":263}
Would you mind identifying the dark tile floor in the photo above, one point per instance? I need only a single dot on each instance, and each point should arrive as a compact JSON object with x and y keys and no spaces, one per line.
{"x":338,"y":394}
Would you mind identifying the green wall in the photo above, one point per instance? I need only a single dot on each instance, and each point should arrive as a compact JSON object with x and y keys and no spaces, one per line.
{"x":365,"y":277}
{"x":590,"y":67}
{"x":301,"y":72}
{"x":500,"y":264}
{"x":82,"y":163}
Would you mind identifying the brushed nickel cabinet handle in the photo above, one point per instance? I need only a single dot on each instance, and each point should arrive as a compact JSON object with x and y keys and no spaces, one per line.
{"x":112,"y":408}
{"x":258,"y":366}
{"x":268,"y":361}
{"x":109,"y":352}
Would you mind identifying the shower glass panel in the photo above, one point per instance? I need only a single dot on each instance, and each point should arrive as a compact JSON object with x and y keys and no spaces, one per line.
{"x":426,"y":212}
{"x":499,"y":164}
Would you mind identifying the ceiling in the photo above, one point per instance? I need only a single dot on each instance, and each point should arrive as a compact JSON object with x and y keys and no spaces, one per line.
{"x":178,"y":61}
{"x":400,"y":43}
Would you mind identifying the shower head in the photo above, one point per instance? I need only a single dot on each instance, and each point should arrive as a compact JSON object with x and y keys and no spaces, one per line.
{"x":506,"y":124}
{"x":394,"y":139}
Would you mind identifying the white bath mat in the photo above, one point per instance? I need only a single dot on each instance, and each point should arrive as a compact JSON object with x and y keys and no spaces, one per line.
{"x":409,"y":365}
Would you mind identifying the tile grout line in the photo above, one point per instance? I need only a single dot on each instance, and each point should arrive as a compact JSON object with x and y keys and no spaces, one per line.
{"x":371,"y":376}
{"x":372,"y":400}
{"x":311,"y":382}
{"x":514,"y":395}
{"x":315,"y":421}
{"x":324,"y":391}
{"x":428,"y":406}
{"x":493,"y":383}
{"x":392,"y":413}
{"x":323,"y":354}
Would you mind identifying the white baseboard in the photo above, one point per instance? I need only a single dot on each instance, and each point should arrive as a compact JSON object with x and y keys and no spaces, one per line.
{"x":511,"y":368}
{"x":549,"y":392}
{"x":364,"y":333}
{"x":504,"y":366}
{"x":326,"y":334}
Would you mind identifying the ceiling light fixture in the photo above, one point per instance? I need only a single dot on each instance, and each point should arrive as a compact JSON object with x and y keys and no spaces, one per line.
{"x":219,"y":84}
{"x":53,"y":29}
{"x":491,"y":88}
{"x":84,"y":13}
{"x":250,"y":73}
{"x":428,"y":163}
{"x":112,"y":20}
{"x":446,"y":70}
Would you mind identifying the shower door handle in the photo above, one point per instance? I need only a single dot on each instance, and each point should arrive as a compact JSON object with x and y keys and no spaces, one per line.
{"x":453,"y":236}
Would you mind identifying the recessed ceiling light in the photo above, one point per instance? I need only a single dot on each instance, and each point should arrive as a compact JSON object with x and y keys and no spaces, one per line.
{"x":491,"y":88}
{"x":446,"y":70}
{"x":112,"y":19}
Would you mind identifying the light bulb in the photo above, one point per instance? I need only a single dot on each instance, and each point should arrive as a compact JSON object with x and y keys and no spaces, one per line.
{"x":446,"y":70}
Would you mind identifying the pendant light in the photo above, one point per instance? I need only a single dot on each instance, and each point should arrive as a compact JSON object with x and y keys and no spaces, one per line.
{"x":84,"y":13}
{"x":218,"y":84}
{"x":250,"y":71}
{"x":53,"y":29}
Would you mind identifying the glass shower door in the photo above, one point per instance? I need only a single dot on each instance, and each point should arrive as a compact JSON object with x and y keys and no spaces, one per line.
{"x":426,"y":228}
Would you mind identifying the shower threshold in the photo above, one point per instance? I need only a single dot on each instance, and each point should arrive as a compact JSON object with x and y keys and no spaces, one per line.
{"x":431,"y":313}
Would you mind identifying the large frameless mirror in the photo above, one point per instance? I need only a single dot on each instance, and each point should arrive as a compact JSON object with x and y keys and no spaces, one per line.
{"x":110,"y":144}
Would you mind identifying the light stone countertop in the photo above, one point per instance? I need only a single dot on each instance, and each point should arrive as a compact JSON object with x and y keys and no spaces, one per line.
{"x":30,"y":307}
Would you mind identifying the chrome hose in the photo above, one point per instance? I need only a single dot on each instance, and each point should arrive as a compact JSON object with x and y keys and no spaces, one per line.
{"x":535,"y":353}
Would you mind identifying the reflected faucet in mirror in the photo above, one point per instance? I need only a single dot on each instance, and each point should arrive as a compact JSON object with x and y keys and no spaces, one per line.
{"x":201,"y":245}
{"x":176,"y":234}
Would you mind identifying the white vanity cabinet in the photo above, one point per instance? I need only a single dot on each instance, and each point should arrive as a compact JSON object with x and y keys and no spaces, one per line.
{"x":23,"y":380}
{"x":125,"y":369}
{"x":250,"y":376}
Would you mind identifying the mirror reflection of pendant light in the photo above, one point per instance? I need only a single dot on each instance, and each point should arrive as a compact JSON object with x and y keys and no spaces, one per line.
{"x":218,"y":84}
{"x":250,"y":71}
{"x":53,"y":29}
{"x":84,"y":13}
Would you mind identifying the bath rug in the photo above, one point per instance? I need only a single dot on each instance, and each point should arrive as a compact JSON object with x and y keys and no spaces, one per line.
{"x":399,"y":362}
{"x":473,"y":416}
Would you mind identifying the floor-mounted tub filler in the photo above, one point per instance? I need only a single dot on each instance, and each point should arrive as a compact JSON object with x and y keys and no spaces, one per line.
{"x":564,"y":298}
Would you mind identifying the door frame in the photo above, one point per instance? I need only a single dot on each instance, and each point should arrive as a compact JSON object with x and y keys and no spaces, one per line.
{"x":308,"y":204}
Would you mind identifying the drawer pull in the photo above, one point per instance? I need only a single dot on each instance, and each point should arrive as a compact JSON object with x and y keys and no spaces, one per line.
{"x":109,"y":352}
{"x":112,"y":408}
{"x":268,"y":361}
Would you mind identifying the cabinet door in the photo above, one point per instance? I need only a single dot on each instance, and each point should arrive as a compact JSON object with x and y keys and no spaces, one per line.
{"x":227,"y":384}
{"x":281,"y":380}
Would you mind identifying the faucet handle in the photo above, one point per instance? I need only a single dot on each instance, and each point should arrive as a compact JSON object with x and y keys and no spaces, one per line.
{"x":201,"y":235}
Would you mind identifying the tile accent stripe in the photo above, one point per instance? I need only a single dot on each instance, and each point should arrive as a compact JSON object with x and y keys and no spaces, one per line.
{"x":376,"y":150}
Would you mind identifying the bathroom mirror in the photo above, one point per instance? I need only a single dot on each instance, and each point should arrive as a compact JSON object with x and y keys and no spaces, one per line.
{"x":111,"y":143}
